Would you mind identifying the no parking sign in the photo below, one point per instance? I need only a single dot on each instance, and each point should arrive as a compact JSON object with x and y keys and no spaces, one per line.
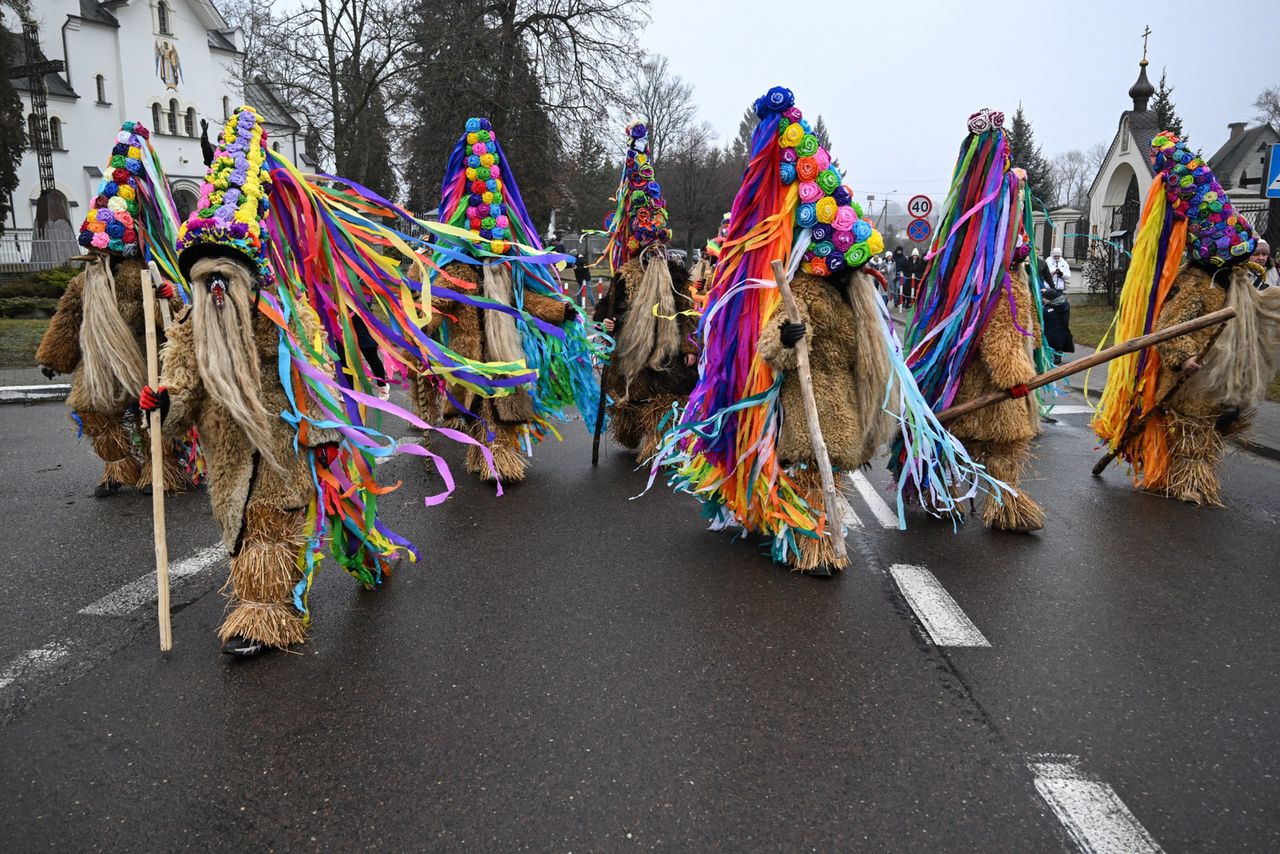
{"x":919,"y":230}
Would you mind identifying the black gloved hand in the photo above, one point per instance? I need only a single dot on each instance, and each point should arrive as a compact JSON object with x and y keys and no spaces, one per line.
{"x":791,"y":333}
{"x":151,"y":399}
{"x":49,"y":373}
{"x":570,"y":312}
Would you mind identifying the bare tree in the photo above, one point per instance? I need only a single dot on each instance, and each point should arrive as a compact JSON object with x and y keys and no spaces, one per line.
{"x":664,"y":101}
{"x":1072,"y":174}
{"x":1095,"y":155}
{"x":1268,"y":106}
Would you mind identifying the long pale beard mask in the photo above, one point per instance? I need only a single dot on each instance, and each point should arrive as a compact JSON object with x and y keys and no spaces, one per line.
{"x":1245,"y":356}
{"x":226,"y":352}
{"x":871,"y":377}
{"x":649,"y":340}
{"x":113,"y":368}
{"x":500,"y":332}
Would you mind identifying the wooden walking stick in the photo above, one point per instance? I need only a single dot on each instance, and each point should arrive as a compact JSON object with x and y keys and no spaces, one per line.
{"x":1136,"y":428}
{"x":1098,"y":358}
{"x":834,"y":522}
{"x":604,"y":381}
{"x":157,"y":465}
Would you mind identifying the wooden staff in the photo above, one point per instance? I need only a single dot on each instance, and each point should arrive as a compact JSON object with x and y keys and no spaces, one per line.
{"x":1098,"y":358}
{"x":157,"y":465}
{"x":1136,"y":427}
{"x":604,"y":379}
{"x":834,"y":522}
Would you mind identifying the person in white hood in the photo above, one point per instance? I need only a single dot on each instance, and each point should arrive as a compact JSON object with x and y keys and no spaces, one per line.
{"x":1059,"y":269}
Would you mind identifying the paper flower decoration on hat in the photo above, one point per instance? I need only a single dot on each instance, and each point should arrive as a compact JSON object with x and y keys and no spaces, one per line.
{"x":1217,"y":234}
{"x":233,"y":198}
{"x":640,"y":219}
{"x":840,"y":236}
{"x":112,"y":222}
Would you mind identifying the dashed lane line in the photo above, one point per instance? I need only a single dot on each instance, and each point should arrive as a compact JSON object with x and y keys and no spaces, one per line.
{"x":1091,"y":811}
{"x":33,"y":662}
{"x":142,"y":591}
{"x":884,"y":515}
{"x":1074,"y":409}
{"x":941,"y":617}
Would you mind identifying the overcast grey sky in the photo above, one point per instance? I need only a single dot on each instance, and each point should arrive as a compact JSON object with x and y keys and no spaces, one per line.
{"x":896,"y":80}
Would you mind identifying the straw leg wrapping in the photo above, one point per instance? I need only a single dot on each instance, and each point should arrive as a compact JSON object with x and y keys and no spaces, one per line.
{"x":111,"y":442}
{"x":176,"y":478}
{"x":1005,"y":461}
{"x":1195,"y":449}
{"x":815,"y":551}
{"x":263,"y":575}
{"x":511,"y":465}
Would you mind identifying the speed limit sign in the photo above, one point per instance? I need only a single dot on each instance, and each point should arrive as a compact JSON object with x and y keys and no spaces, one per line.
{"x":920,"y":206}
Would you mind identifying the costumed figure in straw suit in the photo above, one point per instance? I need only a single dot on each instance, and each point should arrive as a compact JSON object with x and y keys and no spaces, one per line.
{"x":1190,"y":258}
{"x":97,"y":333}
{"x":649,"y":310}
{"x":496,"y":299}
{"x":976,"y":326}
{"x":742,"y":445}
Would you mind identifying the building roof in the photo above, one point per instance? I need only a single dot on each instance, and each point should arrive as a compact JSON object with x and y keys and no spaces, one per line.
{"x":220,"y":41}
{"x":91,"y":11}
{"x":53,"y":82}
{"x":1143,"y":129}
{"x":1229,"y":160}
{"x":263,"y":98}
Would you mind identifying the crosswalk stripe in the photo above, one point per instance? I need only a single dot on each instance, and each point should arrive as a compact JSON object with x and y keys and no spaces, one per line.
{"x":941,"y":617}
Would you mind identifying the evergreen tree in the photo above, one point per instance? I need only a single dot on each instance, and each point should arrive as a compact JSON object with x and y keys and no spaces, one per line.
{"x":824,"y":139}
{"x":12,"y":138}
{"x":367,"y":145}
{"x":1166,"y":111}
{"x":1025,"y":153}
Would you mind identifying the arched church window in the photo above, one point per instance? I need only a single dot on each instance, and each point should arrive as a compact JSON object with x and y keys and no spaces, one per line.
{"x":226,"y":108}
{"x":155,"y":118}
{"x":162,"y":18}
{"x":100,"y":84}
{"x":33,"y":130}
{"x":173,"y":116}
{"x":55,"y":134}
{"x":190,"y":121}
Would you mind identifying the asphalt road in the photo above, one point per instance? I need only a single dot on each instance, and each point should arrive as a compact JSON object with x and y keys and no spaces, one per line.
{"x":570,"y":669}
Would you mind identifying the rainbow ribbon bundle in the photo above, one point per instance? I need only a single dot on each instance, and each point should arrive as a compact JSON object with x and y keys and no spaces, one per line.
{"x":1186,"y":209}
{"x":484,"y":221}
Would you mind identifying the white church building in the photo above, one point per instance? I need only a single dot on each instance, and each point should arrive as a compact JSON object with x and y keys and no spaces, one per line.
{"x":166,"y":63}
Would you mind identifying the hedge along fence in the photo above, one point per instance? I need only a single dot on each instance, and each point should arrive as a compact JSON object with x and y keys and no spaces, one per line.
{"x":35,"y":294}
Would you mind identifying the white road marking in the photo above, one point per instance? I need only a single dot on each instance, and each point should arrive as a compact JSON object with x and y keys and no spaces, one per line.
{"x":401,"y":442}
{"x":1075,"y":409}
{"x":884,"y":515}
{"x":33,"y":662}
{"x":1092,"y":812}
{"x":142,"y":591}
{"x":53,"y":391}
{"x":937,"y":611}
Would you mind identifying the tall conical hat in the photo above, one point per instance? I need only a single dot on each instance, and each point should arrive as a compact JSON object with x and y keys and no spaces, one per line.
{"x":1217,"y":235}
{"x":228,"y":219}
{"x":479,"y":192}
{"x":132,"y":206}
{"x":640,"y":218}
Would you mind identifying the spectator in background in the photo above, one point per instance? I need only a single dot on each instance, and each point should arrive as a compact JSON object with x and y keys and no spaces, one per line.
{"x":889,"y":266}
{"x":1261,"y":256}
{"x":582,"y":271}
{"x":911,"y":278}
{"x":899,"y":266}
{"x":1059,"y":270}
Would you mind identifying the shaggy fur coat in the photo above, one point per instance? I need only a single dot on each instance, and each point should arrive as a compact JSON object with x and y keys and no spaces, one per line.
{"x":1193,"y":295}
{"x":850,"y":417}
{"x":676,"y":378}
{"x":236,"y":470}
{"x":60,"y":346}
{"x":1004,"y":360}
{"x":461,"y":328}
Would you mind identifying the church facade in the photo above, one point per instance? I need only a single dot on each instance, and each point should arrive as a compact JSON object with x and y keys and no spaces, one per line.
{"x":166,"y":63}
